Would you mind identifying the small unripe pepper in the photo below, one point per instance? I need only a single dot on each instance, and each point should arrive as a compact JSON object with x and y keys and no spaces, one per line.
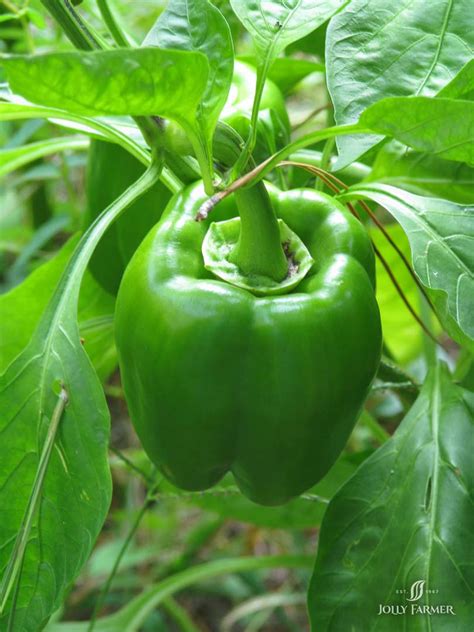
{"x":111,"y":170}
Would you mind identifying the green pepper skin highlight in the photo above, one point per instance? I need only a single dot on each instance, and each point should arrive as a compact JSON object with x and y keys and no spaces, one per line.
{"x":217,"y":379}
{"x":111,"y":169}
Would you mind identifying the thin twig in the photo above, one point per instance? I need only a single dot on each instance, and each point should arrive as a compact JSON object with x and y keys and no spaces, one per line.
{"x":311,"y":115}
{"x":131,"y":465}
{"x":403,"y":296}
{"x":105,"y":590}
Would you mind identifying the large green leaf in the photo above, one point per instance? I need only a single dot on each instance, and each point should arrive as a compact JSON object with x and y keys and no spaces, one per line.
{"x":442,"y":127}
{"x":382,"y":48}
{"x":441,"y":235}
{"x":423,"y":173}
{"x":137,"y":82}
{"x":21,"y":309}
{"x":96,"y":326}
{"x":196,"y":25}
{"x":405,"y":517}
{"x":462,"y":84}
{"x":401,"y":333}
{"x":274,"y":25}
{"x":54,"y":423}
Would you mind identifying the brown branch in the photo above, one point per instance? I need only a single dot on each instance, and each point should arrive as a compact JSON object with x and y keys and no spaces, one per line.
{"x":214,"y":200}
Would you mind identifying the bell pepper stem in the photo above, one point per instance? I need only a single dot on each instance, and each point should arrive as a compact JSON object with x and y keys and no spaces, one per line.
{"x":259,"y":250}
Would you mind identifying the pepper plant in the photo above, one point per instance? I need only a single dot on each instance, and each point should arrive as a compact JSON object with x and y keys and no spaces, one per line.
{"x":281,"y":296}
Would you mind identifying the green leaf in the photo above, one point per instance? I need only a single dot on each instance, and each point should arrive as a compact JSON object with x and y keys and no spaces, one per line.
{"x":196,"y":25}
{"x":401,"y":333}
{"x":137,"y":82}
{"x":274,"y":25}
{"x":441,"y":235}
{"x":21,"y":309}
{"x":462,"y":84}
{"x":386,"y":48}
{"x":442,"y":127}
{"x":423,"y":173}
{"x":96,"y":326}
{"x":54,"y":477}
{"x":11,"y":159}
{"x":405,"y":516}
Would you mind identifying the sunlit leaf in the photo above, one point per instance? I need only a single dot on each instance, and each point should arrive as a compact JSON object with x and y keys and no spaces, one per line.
{"x":274,"y":25}
{"x":442,"y":127}
{"x":196,"y":25}
{"x":441,"y":236}
{"x":423,"y":173}
{"x":135,"y":82}
{"x":462,"y":84}
{"x":381,"y":49}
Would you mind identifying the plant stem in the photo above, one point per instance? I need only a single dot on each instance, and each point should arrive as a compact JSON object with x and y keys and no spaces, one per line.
{"x":71,"y":23}
{"x":261,"y":170}
{"x":204,"y":159}
{"x":356,"y":171}
{"x":179,"y":614}
{"x":259,"y":250}
{"x":133,"y":529}
{"x":262,"y":72}
{"x":325,"y":161}
{"x":311,"y":115}
{"x":388,"y":371}
{"x":131,"y":465}
{"x":118,"y":35}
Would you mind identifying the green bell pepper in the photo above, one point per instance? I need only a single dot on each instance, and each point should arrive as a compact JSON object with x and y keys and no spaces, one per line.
{"x":111,"y":169}
{"x":265,"y":384}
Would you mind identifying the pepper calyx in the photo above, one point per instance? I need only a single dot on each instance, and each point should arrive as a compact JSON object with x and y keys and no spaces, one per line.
{"x":220,"y":241}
